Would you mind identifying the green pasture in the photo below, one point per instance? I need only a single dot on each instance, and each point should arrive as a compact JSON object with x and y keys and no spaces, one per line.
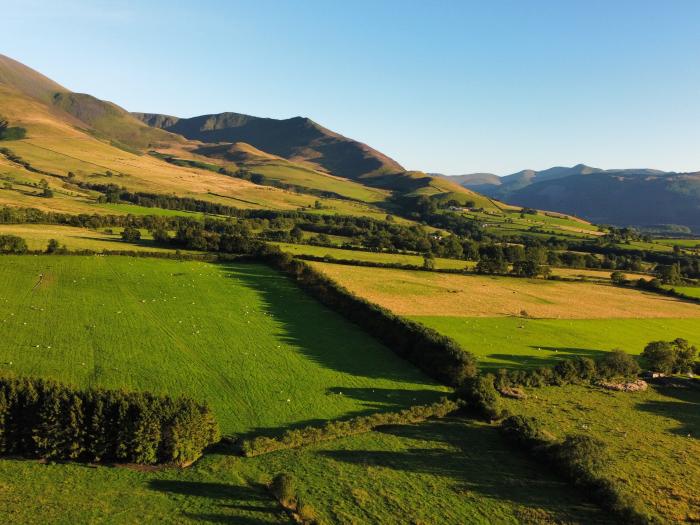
{"x":375,"y":257}
{"x":652,"y":439}
{"x":509,"y":342}
{"x":239,"y":336}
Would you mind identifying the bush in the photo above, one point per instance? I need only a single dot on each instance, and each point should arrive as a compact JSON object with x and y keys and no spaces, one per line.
{"x":617,"y":363}
{"x":480,"y":394}
{"x":525,"y":431}
{"x":40,"y":418}
{"x":283,"y":488}
{"x":131,"y":234}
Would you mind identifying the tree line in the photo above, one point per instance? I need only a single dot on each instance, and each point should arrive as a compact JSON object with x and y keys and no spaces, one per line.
{"x":46,"y":419}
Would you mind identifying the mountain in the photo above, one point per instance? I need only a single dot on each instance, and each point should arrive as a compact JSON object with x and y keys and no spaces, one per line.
{"x":625,"y":197}
{"x":298,"y":139}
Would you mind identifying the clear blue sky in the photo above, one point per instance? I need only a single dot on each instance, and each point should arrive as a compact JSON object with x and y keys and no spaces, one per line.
{"x":448,"y":86}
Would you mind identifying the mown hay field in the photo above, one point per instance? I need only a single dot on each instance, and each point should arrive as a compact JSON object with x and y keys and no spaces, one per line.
{"x":239,"y":336}
{"x":652,"y":439}
{"x":416,"y":293}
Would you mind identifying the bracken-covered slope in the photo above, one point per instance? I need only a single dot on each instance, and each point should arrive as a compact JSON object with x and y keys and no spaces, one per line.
{"x":296,"y":139}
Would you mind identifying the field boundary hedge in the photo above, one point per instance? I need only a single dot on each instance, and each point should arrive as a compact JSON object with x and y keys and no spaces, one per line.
{"x":50,"y":420}
{"x":342,"y":428}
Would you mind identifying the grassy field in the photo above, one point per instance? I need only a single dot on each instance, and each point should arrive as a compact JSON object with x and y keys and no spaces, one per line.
{"x":237,"y":335}
{"x":449,"y":471}
{"x":375,"y":257}
{"x":419,"y":293}
{"x":507,"y":342}
{"x":691,"y":291}
{"x":507,"y":222}
{"x":652,"y":438}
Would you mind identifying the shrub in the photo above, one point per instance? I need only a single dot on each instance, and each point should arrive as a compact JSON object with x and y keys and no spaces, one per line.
{"x":283,"y":488}
{"x":617,"y":363}
{"x":131,"y":234}
{"x":525,"y":431}
{"x":480,"y":394}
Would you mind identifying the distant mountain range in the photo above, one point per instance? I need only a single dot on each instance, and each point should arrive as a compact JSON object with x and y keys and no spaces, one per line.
{"x":626,"y":197}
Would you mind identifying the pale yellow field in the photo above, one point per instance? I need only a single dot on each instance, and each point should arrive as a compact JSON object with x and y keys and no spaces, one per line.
{"x":427,"y":293}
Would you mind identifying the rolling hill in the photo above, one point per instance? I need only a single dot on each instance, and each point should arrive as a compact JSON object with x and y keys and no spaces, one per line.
{"x":624,"y":197}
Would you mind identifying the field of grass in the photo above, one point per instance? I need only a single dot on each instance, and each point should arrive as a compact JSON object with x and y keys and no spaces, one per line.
{"x":236,"y":335}
{"x":508,"y":222}
{"x":419,"y":293}
{"x":449,"y":471}
{"x":691,"y":291}
{"x":652,"y":438}
{"x":508,"y":342}
{"x":375,"y":257}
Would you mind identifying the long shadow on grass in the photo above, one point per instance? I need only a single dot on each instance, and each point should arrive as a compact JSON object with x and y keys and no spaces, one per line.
{"x":321,"y":335}
{"x":373,"y":399}
{"x":476,"y":460}
{"x":519,"y":361}
{"x":685,"y":408}
{"x":244,"y":505}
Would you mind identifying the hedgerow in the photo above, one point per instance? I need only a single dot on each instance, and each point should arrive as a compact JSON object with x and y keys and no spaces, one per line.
{"x":337,"y":429}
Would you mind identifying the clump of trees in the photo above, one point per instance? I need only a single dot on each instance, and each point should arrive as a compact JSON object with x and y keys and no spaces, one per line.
{"x":670,"y":357}
{"x":12,"y":244}
{"x":337,"y":429}
{"x":579,"y":369}
{"x":11,"y":133}
{"x":46,"y":419}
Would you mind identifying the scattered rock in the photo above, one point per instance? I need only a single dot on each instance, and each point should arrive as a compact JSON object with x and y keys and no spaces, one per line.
{"x":633,"y":386}
{"x":513,"y":392}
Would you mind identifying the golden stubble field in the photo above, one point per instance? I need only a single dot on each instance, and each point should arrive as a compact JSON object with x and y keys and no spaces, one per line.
{"x":431,"y":294}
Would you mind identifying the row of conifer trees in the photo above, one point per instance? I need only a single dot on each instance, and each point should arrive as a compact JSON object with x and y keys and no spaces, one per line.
{"x":46,"y":419}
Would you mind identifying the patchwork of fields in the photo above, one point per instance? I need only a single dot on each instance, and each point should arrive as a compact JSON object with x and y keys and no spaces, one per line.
{"x":510,"y":322}
{"x":236,"y":335}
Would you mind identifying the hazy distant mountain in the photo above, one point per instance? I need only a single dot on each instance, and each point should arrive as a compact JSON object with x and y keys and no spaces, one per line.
{"x":641,"y":197}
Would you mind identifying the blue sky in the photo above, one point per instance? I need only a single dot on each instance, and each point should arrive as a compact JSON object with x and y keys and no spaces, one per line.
{"x":452,"y":87}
